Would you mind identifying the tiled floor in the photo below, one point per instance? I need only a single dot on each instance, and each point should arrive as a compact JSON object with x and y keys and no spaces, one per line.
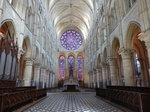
{"x":73,"y":102}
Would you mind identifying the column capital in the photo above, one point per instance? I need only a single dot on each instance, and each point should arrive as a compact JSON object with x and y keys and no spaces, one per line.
{"x":20,"y":52}
{"x":28,"y":61}
{"x":126,"y":53}
{"x":125,"y":50}
{"x":111,"y":58}
{"x":98,"y":69}
{"x":37,"y":65}
{"x":112,"y":61}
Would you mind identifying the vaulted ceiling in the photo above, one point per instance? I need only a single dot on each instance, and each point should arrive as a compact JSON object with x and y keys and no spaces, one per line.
{"x":71,"y":14}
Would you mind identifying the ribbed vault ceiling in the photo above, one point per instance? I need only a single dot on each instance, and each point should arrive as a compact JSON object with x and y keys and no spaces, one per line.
{"x":72,"y":14}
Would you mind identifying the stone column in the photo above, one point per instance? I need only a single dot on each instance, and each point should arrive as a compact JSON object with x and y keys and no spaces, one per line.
{"x":104,"y":76}
{"x":20,"y":81}
{"x":53,"y":81}
{"x":90,"y":80}
{"x":46,"y":78}
{"x":28,"y":72}
{"x":113,"y":71}
{"x":42,"y":79}
{"x":89,"y":83}
{"x":97,"y":78}
{"x":50,"y":77}
{"x":128,"y":67}
{"x":100,"y":78}
{"x":37,"y":75}
{"x":94,"y":78}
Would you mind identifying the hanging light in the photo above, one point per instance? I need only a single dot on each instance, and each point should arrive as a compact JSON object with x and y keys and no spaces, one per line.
{"x":139,"y":34}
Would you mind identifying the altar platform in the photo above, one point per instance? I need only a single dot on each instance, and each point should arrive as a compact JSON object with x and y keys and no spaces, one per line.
{"x":71,"y":85}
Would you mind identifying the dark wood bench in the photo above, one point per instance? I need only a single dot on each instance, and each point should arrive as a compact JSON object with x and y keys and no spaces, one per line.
{"x":15,"y":89}
{"x":7,"y":83}
{"x":11,"y":101}
{"x":131,"y":88}
{"x":136,"y":101}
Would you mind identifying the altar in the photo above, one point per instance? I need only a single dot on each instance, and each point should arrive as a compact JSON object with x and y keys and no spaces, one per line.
{"x":70,"y":84}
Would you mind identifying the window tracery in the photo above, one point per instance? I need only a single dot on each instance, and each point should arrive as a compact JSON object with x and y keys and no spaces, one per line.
{"x":80,"y":67}
{"x":62,"y":67}
{"x":71,"y":40}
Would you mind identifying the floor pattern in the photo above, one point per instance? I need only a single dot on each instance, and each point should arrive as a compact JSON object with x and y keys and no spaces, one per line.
{"x":73,"y":102}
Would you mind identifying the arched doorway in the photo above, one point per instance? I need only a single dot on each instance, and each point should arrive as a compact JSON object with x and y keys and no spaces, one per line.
{"x":8,"y":52}
{"x":140,"y":60}
{"x":117,"y":62}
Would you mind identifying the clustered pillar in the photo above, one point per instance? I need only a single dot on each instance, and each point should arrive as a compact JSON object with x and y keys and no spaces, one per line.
{"x":37,"y":75}
{"x":104,"y":75}
{"x":128,"y":67}
{"x":113,"y":71}
{"x":97,"y":78}
{"x":28,"y":72}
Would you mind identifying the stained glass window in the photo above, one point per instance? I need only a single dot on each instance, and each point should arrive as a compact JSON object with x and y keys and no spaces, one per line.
{"x":80,"y":67}
{"x":62,"y":67}
{"x":71,"y":61}
{"x":71,"y":40}
{"x":138,"y":64}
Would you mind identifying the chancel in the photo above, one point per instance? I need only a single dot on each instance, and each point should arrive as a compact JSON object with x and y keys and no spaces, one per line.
{"x":75,"y":55}
{"x":71,"y":83}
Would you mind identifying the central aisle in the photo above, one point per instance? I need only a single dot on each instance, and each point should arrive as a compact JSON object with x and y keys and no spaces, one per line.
{"x":73,"y":102}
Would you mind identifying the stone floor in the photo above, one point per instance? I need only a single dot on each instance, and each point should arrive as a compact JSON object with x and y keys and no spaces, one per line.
{"x":73,"y":102}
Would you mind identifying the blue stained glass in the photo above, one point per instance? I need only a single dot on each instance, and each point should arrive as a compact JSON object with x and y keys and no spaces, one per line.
{"x":71,"y":61}
{"x":71,"y":40}
{"x":62,"y":67}
{"x":80,"y":67}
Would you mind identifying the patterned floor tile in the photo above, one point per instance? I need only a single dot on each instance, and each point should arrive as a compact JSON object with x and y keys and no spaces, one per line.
{"x":73,"y":102}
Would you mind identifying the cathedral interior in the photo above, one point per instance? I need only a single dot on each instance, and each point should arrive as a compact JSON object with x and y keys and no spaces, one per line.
{"x":74,"y":55}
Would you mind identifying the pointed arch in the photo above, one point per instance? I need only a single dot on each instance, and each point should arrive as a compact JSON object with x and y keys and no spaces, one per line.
{"x":62,"y":66}
{"x":140,"y":61}
{"x":8,"y":51}
{"x":80,"y":66}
